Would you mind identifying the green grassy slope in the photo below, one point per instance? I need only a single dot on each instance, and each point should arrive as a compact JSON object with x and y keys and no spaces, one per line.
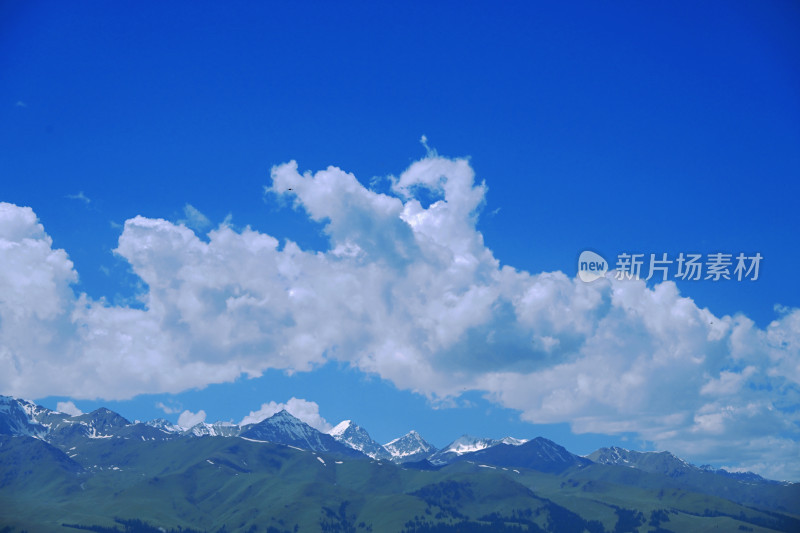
{"x":213,"y":483}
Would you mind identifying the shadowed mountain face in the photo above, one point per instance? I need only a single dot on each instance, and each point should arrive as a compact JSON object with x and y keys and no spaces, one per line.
{"x":102,"y":420}
{"x":20,"y":417}
{"x":17,"y":452}
{"x":665,"y":463}
{"x":537,"y":454}
{"x":660,"y":462}
{"x":665,"y":470}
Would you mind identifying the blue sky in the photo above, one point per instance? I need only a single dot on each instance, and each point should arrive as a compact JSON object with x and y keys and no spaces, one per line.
{"x":616,"y":128}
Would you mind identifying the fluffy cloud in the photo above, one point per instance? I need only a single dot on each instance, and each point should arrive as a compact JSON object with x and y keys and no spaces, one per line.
{"x":68,"y":408}
{"x":410,"y":293}
{"x":189,"y":419}
{"x":35,"y":307}
{"x":302,"y":409}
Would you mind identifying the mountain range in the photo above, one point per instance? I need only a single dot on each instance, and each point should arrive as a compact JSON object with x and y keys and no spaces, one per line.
{"x":47,"y":456}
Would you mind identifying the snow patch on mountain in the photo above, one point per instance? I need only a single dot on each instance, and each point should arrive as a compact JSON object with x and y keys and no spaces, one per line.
{"x":163,"y":425}
{"x":340,"y":428}
{"x":468,"y":444}
{"x":217,"y":429}
{"x":20,"y":417}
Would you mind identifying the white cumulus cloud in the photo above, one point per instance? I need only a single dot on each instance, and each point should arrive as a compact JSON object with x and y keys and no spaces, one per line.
{"x":189,"y":419}
{"x":302,"y":409}
{"x":68,"y":408}
{"x":414,"y":295}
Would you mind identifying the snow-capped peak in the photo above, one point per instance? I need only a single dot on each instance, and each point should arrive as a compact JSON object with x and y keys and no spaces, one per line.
{"x":340,"y":428}
{"x":468,"y":444}
{"x":409,"y":447}
{"x":217,"y":429}
{"x":284,"y":428}
{"x":357,"y":438}
{"x":163,"y":425}
{"x":411,"y":436}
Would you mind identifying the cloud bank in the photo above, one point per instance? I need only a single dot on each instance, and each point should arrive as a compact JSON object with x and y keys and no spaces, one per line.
{"x":412,"y":294}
